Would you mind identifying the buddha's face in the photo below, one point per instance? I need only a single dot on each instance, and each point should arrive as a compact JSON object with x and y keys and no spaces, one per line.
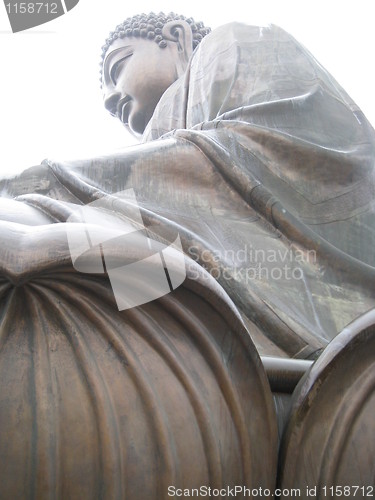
{"x":136,"y":73}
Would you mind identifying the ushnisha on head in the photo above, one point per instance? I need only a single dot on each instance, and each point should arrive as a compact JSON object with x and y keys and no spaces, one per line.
{"x":141,"y":59}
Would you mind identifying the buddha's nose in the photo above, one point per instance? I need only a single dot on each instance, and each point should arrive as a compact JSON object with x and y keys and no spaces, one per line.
{"x":110,"y":102}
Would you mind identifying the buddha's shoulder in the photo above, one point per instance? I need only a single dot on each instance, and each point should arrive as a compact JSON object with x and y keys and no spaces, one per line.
{"x":242,"y":31}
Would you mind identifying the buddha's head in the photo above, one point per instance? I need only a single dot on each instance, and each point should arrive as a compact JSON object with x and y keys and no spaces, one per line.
{"x":141,"y":59}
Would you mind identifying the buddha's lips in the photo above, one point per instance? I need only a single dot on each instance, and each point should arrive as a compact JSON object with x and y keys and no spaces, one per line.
{"x":123,"y":109}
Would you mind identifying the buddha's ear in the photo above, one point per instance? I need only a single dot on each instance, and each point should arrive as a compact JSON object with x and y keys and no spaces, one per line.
{"x":179,"y":31}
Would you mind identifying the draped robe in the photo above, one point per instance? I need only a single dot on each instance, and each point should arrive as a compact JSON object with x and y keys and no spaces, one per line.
{"x":264,"y":166}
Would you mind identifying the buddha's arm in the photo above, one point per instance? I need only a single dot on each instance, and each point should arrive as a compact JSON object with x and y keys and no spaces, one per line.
{"x":160,"y":164}
{"x":161,"y":169}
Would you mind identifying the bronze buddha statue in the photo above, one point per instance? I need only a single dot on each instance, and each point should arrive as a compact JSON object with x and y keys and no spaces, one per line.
{"x":261,"y":164}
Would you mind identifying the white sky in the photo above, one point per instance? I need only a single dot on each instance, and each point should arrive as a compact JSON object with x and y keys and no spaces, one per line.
{"x":50,"y":100}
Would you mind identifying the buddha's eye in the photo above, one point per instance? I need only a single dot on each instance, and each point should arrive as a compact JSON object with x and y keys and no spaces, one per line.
{"x":117,"y":68}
